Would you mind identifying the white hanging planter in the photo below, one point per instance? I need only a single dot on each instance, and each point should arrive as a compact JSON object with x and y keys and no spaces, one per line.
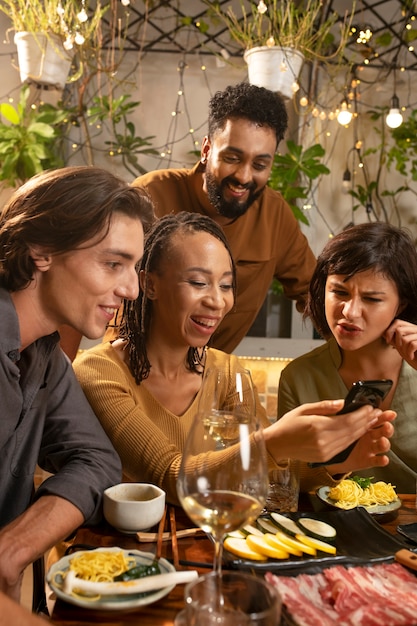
{"x":42,"y":59}
{"x":274,"y":67}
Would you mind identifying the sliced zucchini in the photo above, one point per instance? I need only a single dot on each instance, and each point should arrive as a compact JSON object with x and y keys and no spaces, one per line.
{"x":259,"y":544}
{"x":274,"y":541}
{"x":251,"y":530}
{"x":240,"y":547}
{"x":293,"y":543}
{"x":266,"y":525}
{"x":286,"y":524}
{"x":322,"y":546}
{"x":237,"y":534}
{"x":316,"y":528}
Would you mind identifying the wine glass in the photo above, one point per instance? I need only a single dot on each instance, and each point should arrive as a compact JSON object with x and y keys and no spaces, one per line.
{"x":222,"y":483}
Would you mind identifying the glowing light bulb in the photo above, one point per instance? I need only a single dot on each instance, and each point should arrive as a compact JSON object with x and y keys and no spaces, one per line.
{"x":394,"y":118}
{"x":344,"y":117}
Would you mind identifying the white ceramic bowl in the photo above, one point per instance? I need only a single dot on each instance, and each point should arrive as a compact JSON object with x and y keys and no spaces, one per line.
{"x":131,"y":507}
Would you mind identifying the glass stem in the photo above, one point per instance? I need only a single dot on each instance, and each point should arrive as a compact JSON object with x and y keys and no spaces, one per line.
{"x":218,"y":556}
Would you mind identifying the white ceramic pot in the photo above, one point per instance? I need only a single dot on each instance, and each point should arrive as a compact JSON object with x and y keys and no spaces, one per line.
{"x":275,"y":68}
{"x":42,"y":59}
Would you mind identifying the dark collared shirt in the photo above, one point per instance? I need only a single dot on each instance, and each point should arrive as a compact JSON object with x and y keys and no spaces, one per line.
{"x":46,"y":419}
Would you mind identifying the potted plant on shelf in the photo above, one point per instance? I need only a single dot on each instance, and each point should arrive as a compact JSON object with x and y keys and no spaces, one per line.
{"x":277,"y":36}
{"x":52,"y":36}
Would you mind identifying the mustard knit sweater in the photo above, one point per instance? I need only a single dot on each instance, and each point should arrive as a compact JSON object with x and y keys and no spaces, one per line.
{"x":148,"y":438}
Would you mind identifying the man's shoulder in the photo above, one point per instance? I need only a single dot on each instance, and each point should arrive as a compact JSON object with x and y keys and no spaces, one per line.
{"x":164,"y":176}
{"x":271,"y":200}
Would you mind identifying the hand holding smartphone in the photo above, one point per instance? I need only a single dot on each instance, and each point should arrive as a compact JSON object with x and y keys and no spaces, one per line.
{"x":362,"y":392}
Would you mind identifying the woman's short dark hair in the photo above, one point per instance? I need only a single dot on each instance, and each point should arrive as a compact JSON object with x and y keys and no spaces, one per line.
{"x":137,"y":314}
{"x":375,"y":246}
{"x":256,"y":104}
{"x":59,"y":210}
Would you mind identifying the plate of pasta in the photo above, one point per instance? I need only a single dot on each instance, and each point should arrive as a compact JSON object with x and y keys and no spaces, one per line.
{"x":378,"y":498}
{"x":106,"y":565}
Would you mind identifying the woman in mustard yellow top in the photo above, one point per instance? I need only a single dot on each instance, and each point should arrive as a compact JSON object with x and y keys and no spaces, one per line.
{"x":144,"y":387}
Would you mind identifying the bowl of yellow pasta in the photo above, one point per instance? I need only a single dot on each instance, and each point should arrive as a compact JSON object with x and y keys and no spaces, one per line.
{"x":131,"y":507}
{"x":378,"y":498}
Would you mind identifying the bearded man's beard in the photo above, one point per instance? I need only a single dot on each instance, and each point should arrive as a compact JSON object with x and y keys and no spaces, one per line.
{"x":229,"y":208}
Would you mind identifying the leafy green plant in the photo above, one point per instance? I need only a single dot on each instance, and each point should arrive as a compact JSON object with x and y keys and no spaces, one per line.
{"x":373,"y":195}
{"x":125,"y":142}
{"x":404,"y":151}
{"x":29,"y":141}
{"x":293,"y":174}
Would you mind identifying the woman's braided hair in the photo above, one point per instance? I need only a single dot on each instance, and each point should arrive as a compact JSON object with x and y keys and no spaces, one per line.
{"x":137,"y":315}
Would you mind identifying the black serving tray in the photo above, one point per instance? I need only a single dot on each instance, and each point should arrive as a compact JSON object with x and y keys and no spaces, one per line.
{"x":360,"y":540}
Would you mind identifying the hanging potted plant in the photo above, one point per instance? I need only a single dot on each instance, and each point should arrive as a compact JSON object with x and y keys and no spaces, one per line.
{"x":49,"y":34}
{"x":277,"y":36}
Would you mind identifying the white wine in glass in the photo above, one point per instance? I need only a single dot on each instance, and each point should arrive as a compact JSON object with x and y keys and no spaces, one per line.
{"x":222,"y":483}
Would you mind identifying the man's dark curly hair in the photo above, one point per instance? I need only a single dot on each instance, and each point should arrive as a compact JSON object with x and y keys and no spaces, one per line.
{"x":257,"y":104}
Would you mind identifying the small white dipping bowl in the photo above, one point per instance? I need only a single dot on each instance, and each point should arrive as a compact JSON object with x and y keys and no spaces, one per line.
{"x":131,"y":507}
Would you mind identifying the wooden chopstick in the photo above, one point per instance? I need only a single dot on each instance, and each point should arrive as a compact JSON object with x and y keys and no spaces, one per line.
{"x":166,"y":536}
{"x":174,"y":543}
{"x":161,"y":529}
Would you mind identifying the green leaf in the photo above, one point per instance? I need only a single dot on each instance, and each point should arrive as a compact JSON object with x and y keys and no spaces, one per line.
{"x":9,"y":112}
{"x":361,"y":481}
{"x":43,"y":130}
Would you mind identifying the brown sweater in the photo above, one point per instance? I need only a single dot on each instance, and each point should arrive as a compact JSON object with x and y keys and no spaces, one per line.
{"x":266,"y":242}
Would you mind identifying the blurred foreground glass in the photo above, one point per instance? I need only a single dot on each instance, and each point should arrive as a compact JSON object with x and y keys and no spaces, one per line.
{"x":223,"y":482}
{"x":284,"y":488}
{"x":230,"y":599}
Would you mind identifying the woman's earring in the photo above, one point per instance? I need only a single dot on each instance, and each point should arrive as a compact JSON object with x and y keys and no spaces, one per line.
{"x":203,"y":160}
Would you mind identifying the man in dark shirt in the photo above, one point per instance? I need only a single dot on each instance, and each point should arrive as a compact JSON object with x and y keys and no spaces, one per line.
{"x":69,"y":243}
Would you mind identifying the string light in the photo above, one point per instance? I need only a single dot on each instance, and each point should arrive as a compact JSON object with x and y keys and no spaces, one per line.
{"x":344,"y":116}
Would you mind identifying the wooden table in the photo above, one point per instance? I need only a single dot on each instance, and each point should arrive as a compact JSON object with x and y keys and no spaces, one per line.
{"x":194,"y":553}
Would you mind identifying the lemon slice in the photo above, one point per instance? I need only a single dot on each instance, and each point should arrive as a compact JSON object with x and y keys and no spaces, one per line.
{"x":316,"y":543}
{"x":240,"y":548}
{"x":259,"y":544}
{"x":275,"y":542}
{"x":293,"y":543}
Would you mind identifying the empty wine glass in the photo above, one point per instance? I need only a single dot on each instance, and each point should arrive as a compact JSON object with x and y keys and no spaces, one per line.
{"x":222,"y":483}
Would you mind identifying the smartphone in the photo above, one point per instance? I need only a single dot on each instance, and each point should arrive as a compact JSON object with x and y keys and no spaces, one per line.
{"x":362,"y":392}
